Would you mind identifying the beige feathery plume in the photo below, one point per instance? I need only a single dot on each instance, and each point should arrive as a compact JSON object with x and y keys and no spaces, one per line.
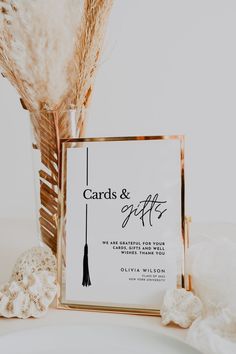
{"x":87,"y":53}
{"x":37,"y":43}
{"x":49,"y":50}
{"x":88,"y":46}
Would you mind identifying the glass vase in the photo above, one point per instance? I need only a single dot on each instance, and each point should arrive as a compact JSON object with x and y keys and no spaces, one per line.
{"x":47,"y":128}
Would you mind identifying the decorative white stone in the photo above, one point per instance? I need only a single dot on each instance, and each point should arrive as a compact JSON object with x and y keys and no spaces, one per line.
{"x":32,"y":286}
{"x":29,"y":297}
{"x":180,"y":307}
{"x":35,"y":260}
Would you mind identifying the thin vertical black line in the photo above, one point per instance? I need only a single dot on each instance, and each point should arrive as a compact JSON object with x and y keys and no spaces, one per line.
{"x":86,"y":224}
{"x":87,"y":167}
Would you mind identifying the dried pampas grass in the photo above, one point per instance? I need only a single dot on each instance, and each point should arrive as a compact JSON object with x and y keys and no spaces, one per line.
{"x":38,"y":40}
{"x":49,"y":51}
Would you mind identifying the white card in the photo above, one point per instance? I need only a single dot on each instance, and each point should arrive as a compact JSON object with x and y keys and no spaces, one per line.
{"x":124,"y":207}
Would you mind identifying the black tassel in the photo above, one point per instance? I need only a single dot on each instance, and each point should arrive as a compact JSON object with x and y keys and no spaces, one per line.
{"x":86,"y":276}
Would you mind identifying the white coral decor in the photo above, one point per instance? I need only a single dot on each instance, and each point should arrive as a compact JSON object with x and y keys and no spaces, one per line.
{"x":180,"y":307}
{"x":32,"y":286}
{"x":35,"y":260}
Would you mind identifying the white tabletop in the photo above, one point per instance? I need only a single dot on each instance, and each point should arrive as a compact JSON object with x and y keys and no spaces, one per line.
{"x":62,"y":317}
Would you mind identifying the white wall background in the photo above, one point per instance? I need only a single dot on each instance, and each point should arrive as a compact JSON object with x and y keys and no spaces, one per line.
{"x":168,"y":67}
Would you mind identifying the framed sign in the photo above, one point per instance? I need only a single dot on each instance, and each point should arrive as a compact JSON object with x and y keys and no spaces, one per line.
{"x":122,"y":224}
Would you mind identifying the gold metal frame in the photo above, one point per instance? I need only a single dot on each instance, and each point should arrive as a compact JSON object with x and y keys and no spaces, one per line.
{"x":183,"y":279}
